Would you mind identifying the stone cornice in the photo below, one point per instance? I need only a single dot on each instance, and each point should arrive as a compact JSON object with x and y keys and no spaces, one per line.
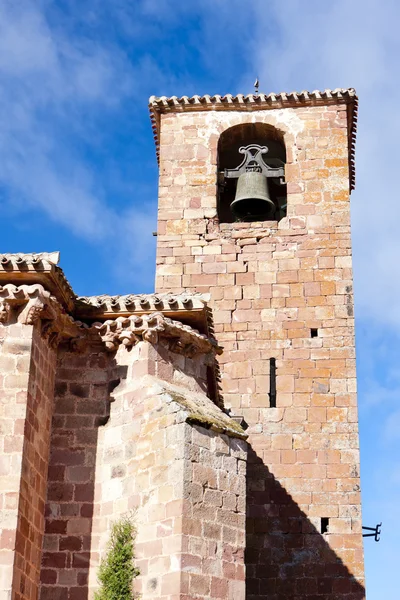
{"x":155,"y":328}
{"x":41,"y":268}
{"x":200,"y":410}
{"x":191,"y":308}
{"x":141,"y":302}
{"x":252,"y":101}
{"x":32,"y":304}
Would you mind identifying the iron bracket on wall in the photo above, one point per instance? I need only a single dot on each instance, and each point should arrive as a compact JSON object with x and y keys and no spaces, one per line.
{"x":376,"y":532}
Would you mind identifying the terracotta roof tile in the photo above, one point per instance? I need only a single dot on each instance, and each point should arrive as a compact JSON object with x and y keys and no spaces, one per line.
{"x":41,"y":267}
{"x":180,"y":338}
{"x":191,"y":308}
{"x":58,"y":325}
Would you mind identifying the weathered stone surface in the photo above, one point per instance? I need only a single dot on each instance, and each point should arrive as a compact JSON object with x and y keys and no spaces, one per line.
{"x":286,"y":279}
{"x":26,"y":396}
{"x":139,"y":428}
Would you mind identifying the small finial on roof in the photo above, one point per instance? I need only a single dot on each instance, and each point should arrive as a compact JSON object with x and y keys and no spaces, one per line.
{"x":256,"y":85}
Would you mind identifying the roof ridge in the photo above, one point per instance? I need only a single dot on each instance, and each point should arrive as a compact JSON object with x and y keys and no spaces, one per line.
{"x":30,"y":257}
{"x":175,"y":100}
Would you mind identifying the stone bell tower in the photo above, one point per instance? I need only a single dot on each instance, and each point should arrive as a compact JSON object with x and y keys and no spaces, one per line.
{"x":281,"y":290}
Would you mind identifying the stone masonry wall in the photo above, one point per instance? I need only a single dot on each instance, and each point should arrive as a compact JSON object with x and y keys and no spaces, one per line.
{"x":27,"y":386}
{"x":82,"y":399}
{"x":215,"y":485}
{"x":173,"y":477}
{"x":270,"y":284}
{"x":120,"y":443}
{"x":185,"y":487}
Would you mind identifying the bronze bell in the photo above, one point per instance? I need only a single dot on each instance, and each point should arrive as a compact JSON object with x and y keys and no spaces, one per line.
{"x":252,"y":200}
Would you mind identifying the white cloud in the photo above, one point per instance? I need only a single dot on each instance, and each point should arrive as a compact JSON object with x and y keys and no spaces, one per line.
{"x":55,"y":80}
{"x":53,"y":85}
{"x":349,"y":44}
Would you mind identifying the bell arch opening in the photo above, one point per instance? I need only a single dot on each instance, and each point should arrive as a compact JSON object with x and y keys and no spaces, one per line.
{"x":250,"y":185}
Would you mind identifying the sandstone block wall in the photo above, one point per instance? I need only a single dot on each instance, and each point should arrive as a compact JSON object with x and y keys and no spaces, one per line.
{"x":190,"y":537}
{"x":181,"y":481}
{"x":121,"y":443}
{"x":215,"y":485}
{"x":82,"y":400}
{"x":271,"y":284}
{"x":27,"y":366}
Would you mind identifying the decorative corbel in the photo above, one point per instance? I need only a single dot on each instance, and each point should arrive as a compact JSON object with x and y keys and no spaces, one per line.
{"x":128,"y":338}
{"x":5,"y":311}
{"x":77,"y":344}
{"x":33,"y":311}
{"x":108,"y":334}
{"x":40,"y":307}
{"x":154,"y":328}
{"x":51,"y":333}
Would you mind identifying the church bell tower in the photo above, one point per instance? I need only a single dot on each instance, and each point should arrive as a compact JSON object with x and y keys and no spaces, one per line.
{"x":254,"y":211}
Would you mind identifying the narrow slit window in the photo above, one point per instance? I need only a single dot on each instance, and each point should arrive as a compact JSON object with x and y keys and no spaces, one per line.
{"x":324,"y":524}
{"x":314,"y":332}
{"x":272,"y":382}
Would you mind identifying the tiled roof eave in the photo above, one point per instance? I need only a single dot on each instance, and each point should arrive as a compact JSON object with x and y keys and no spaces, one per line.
{"x":304,"y":98}
{"x":41,"y":268}
{"x":190,"y":308}
{"x":33,"y":304}
{"x":249,"y":102}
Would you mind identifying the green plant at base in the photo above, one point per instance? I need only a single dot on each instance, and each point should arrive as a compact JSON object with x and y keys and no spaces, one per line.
{"x":117,"y":570}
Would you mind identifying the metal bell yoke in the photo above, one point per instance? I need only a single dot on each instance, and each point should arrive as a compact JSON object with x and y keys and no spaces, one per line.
{"x":252,"y":200}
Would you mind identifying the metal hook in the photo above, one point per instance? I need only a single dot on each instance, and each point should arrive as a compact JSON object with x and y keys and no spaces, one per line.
{"x":376,"y":532}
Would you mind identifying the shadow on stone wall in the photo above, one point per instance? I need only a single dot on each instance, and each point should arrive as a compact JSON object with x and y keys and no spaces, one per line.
{"x":214,"y":375}
{"x":286,"y":557}
{"x":84,"y":383}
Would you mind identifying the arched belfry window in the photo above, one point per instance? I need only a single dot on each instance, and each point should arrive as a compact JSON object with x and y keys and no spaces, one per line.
{"x":251,"y":160}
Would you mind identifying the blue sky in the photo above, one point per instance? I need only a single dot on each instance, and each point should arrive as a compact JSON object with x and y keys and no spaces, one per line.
{"x":78,"y":171}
